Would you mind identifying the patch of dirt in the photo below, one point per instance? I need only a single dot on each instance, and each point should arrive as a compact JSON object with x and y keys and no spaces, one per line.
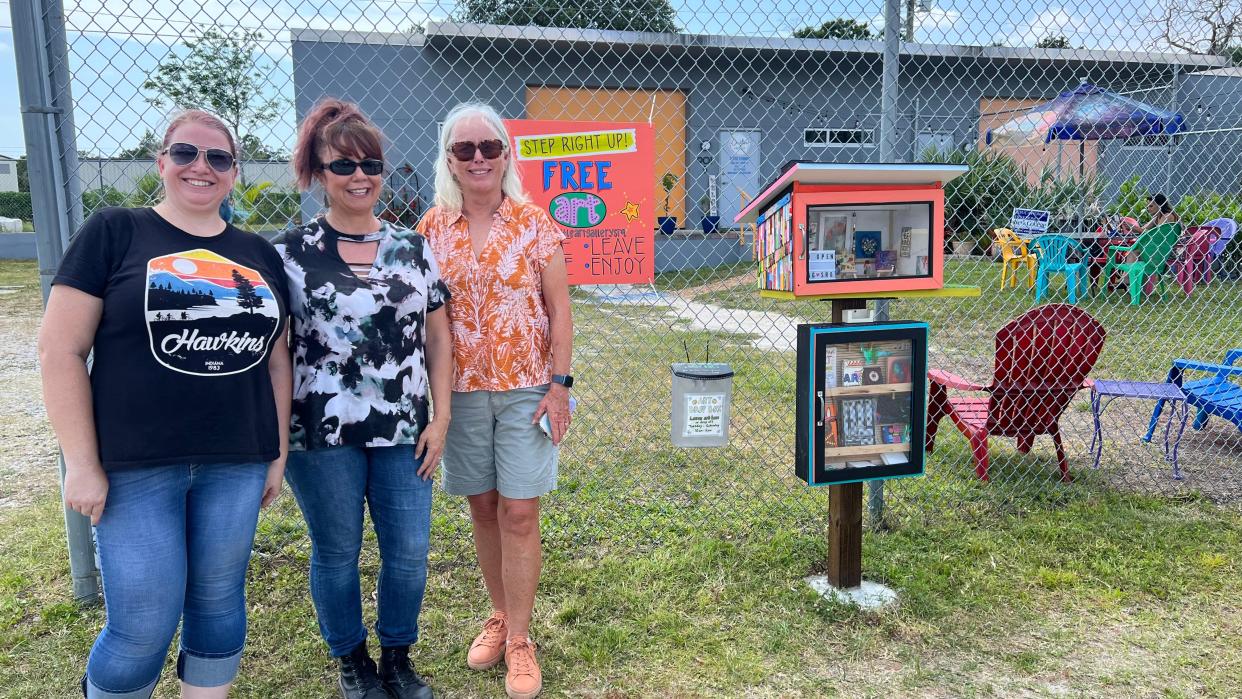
{"x":28,"y":456}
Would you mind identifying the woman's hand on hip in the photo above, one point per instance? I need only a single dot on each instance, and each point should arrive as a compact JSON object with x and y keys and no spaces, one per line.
{"x":86,"y":490}
{"x":556,"y":405}
{"x":431,"y":447}
{"x":274,"y":483}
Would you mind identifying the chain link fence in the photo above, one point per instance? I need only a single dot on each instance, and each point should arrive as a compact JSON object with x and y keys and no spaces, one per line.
{"x":735,"y":92}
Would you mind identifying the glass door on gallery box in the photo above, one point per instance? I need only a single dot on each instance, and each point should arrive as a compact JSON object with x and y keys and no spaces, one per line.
{"x":868,"y":241}
{"x":861,"y":392}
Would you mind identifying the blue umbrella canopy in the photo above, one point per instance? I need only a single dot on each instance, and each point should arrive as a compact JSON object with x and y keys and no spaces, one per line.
{"x":1087,"y":113}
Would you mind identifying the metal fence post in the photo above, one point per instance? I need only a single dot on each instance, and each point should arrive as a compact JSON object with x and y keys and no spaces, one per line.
{"x":875,"y":488}
{"x":47,"y":120}
{"x":890,"y":82}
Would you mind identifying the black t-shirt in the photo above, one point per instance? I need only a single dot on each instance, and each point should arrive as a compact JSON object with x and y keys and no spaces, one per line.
{"x":180,"y":372}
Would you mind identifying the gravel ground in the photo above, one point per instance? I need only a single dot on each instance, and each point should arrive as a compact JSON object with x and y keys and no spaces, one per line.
{"x":27,"y":448}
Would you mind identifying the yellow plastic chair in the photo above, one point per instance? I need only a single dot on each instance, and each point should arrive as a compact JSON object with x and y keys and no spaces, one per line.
{"x":1013,"y":256}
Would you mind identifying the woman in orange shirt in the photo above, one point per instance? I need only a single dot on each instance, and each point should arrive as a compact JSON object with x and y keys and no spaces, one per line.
{"x":509,"y":312}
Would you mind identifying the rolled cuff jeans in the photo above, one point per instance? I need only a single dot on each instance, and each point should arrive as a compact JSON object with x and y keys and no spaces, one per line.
{"x":331,"y":486}
{"x":174,"y":543}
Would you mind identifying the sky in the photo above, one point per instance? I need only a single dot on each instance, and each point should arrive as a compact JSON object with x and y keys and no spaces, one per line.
{"x":112,"y":49}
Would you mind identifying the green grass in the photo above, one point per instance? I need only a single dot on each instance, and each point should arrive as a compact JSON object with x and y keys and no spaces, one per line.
{"x":1109,"y":596}
{"x":678,"y":572}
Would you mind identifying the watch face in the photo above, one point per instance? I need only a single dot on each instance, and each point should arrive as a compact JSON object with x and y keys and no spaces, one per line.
{"x":565,"y":380}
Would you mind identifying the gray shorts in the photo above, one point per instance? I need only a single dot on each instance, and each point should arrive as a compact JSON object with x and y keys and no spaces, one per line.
{"x":492,"y":444}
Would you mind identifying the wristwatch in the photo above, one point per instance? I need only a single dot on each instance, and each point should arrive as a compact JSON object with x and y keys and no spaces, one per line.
{"x":565,"y":380}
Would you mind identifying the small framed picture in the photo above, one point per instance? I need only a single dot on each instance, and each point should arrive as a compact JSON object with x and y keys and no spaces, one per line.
{"x":895,"y":433}
{"x":852,"y":372}
{"x":858,"y":421}
{"x":873,"y":375}
{"x":866,"y":244}
{"x":899,"y":369}
{"x":831,"y":436}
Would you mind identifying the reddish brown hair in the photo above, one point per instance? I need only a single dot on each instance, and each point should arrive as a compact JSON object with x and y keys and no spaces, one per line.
{"x":336,"y":123}
{"x":199,"y":116}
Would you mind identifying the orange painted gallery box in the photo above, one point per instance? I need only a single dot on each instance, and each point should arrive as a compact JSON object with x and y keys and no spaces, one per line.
{"x":834,"y":228}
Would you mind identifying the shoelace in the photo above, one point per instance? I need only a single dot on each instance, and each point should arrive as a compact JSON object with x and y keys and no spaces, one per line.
{"x":366,"y":677}
{"x":493,"y":630}
{"x":520,"y":657}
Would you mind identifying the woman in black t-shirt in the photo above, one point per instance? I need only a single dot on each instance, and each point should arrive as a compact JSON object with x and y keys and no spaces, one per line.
{"x":177,"y":434}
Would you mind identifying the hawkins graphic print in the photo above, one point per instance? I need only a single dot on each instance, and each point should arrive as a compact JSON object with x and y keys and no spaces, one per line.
{"x":207,"y":315}
{"x":359,"y":364}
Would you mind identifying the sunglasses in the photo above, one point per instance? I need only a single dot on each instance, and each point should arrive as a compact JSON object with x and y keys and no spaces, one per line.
{"x":464,"y":150}
{"x":183,"y":154}
{"x":346,"y":167}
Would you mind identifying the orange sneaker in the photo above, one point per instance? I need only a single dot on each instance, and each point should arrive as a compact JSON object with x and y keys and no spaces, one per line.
{"x":523,"y":680}
{"x":489,"y":646}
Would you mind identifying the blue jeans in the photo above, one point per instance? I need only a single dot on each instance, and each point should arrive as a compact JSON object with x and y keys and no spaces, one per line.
{"x":174,"y":543}
{"x":330,"y":486}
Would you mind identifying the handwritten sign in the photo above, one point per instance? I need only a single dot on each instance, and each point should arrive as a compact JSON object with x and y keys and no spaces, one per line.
{"x":596,"y":181}
{"x":1029,"y":221}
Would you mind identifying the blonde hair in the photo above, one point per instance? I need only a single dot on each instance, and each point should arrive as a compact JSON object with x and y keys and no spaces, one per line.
{"x":448,"y":191}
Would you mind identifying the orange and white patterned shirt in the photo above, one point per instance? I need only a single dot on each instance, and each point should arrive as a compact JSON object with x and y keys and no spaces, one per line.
{"x":502,"y":339}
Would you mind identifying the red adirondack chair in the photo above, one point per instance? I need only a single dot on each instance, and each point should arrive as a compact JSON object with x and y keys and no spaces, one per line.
{"x":1042,"y":359}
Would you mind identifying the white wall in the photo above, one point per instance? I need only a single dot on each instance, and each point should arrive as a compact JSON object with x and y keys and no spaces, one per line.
{"x":8,"y":175}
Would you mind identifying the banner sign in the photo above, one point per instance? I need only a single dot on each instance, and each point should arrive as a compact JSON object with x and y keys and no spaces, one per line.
{"x":1028,"y":222}
{"x":596,"y":180}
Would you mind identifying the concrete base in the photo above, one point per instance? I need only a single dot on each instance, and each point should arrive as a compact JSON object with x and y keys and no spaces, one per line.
{"x":868,"y":597}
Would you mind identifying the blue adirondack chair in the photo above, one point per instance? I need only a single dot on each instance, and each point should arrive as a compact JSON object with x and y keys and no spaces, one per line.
{"x":1215,"y":395}
{"x":1054,"y":253}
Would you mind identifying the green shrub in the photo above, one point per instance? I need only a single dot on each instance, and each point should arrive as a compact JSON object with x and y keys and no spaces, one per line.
{"x":1131,"y":200}
{"x":95,"y":199}
{"x":148,"y":191}
{"x":985,"y":197}
{"x":1202,"y":207}
{"x":16,"y":205}
{"x":263,"y":207}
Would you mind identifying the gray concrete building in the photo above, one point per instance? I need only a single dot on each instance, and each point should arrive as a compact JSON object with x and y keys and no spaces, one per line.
{"x":738,"y":108}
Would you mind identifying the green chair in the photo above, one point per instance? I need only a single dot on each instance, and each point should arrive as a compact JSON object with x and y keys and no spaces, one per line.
{"x":1154,"y":248}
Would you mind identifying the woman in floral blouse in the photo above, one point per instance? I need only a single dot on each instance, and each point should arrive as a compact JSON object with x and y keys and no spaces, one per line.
{"x":512,"y":339}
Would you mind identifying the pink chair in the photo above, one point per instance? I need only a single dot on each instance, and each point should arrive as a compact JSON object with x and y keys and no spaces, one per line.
{"x":1228,"y":228}
{"x":1194,"y":261}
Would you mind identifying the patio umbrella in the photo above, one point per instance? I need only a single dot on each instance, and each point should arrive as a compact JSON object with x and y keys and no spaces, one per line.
{"x":1086,"y":113}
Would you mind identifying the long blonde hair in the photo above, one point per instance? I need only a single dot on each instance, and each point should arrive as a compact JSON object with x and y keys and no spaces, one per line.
{"x":448,"y":191}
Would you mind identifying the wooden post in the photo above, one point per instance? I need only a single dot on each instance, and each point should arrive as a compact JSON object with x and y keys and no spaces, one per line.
{"x":845,"y":508}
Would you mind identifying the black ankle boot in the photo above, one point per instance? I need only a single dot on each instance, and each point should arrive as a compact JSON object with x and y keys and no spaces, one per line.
{"x":359,"y":680}
{"x":398,"y":675}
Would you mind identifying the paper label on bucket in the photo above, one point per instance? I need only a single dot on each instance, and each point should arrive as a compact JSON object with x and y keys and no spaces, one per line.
{"x":704,"y":415}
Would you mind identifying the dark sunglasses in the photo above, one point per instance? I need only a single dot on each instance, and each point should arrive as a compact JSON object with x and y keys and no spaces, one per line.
{"x":464,"y":150}
{"x":346,"y":167}
{"x":219,"y":159}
